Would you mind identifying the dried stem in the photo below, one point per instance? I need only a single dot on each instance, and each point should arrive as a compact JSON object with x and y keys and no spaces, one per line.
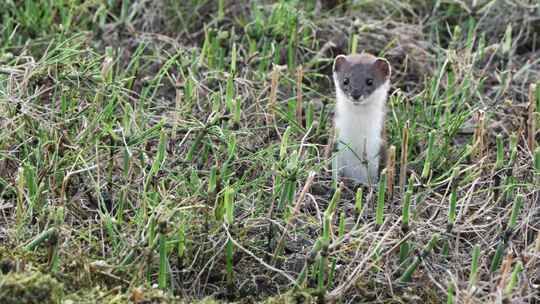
{"x":403,"y":160}
{"x":273,"y":96}
{"x":479,"y":134}
{"x":299,"y":95}
{"x":531,"y":121}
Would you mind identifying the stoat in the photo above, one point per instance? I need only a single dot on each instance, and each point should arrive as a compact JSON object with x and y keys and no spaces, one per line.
{"x":362,"y":82}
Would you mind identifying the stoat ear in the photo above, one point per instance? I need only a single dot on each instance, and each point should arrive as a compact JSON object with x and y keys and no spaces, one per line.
{"x":339,"y":63}
{"x":383,"y":66}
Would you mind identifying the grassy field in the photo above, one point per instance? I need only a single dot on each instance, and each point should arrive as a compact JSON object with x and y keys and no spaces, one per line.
{"x":174,"y":151}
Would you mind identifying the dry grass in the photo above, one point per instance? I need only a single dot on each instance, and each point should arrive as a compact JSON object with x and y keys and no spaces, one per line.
{"x":158,"y":145}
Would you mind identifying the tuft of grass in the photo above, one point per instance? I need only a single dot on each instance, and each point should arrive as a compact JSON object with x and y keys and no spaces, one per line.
{"x":186,"y":145}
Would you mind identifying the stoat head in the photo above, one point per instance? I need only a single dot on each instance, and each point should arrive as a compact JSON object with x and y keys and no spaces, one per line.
{"x":359,"y":76}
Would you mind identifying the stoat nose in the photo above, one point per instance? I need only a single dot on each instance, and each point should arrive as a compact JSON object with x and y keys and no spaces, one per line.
{"x":356,"y":94}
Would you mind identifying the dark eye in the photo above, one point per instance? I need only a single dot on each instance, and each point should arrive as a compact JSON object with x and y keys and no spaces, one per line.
{"x":369,"y":82}
{"x":346,"y":81}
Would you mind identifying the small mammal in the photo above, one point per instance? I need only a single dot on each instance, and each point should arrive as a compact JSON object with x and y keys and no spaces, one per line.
{"x":362,"y":82}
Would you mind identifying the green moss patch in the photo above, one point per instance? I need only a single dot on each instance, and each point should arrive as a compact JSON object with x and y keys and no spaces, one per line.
{"x":29,"y":288}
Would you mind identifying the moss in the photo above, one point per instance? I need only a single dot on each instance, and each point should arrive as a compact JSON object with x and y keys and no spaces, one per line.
{"x":291,"y":298}
{"x":29,"y":288}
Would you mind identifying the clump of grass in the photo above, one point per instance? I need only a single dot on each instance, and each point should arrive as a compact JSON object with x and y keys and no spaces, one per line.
{"x":505,"y":238}
{"x":185,"y":144}
{"x":404,"y":248}
{"x":407,"y":275}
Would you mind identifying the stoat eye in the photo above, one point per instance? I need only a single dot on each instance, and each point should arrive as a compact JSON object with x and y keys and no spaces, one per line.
{"x":346,"y":81}
{"x":369,"y":82}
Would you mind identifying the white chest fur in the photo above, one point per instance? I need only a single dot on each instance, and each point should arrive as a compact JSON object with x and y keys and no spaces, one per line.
{"x":359,"y":135}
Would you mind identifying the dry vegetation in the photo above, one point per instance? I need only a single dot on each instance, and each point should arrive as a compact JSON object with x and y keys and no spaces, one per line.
{"x":176,"y":151}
